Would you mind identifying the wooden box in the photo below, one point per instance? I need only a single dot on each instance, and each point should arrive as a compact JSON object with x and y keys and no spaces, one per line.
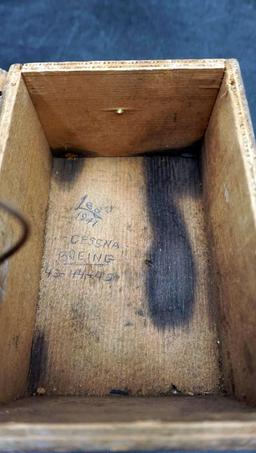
{"x":128,"y":319}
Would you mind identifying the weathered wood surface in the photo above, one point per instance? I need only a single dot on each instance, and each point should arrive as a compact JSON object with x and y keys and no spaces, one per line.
{"x":3,"y":75}
{"x":124,"y":299}
{"x":120,"y":423}
{"x":24,"y":181}
{"x":115,"y":409}
{"x":136,"y":436}
{"x":123,"y":108}
{"x":230,"y":192}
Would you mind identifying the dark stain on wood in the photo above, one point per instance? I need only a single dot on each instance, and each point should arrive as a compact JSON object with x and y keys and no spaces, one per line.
{"x":119,"y":392}
{"x":66,"y":170}
{"x":171,"y":275}
{"x":38,"y":362}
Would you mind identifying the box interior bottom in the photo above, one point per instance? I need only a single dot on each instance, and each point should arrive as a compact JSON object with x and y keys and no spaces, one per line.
{"x":119,"y":409}
{"x":125,"y":303}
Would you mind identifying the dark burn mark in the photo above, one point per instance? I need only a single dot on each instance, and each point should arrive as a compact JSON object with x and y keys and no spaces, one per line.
{"x":171,"y":273}
{"x":66,"y":170}
{"x":38,"y":361}
{"x":121,"y":392}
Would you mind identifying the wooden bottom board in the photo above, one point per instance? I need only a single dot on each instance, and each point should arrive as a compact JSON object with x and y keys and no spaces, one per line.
{"x":115,"y":409}
{"x":125,"y":302}
{"x":122,"y":423}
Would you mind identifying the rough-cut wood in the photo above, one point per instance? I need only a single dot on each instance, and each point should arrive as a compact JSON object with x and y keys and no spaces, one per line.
{"x":117,"y":409}
{"x":128,"y":436}
{"x":2,"y":78}
{"x":124,"y":298}
{"x":144,"y":428}
{"x":120,"y":423}
{"x":3,"y":75}
{"x":230,"y":190}
{"x":122,"y":108}
{"x":24,"y":179}
{"x":117,"y":65}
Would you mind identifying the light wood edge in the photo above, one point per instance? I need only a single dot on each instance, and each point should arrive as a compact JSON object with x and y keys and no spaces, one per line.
{"x":152,"y":435}
{"x":123,"y":65}
{"x":243,"y":124}
{"x":3,"y":75}
{"x":7,"y":104}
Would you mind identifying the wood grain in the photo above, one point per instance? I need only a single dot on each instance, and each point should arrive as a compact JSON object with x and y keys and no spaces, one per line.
{"x":124,"y":297}
{"x":127,"y":424}
{"x":136,"y":436}
{"x":25,"y":164}
{"x":230,"y":193}
{"x":122,"y":409}
{"x":124,"y":108}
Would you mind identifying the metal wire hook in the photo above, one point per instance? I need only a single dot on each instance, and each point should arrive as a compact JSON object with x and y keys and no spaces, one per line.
{"x":24,"y":234}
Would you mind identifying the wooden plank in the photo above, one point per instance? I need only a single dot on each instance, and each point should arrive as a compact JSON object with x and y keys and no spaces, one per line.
{"x":121,"y":423}
{"x":119,"y":409}
{"x":134,"y":436}
{"x":25,"y":165}
{"x":124,"y":108}
{"x":124,"y":65}
{"x":230,"y":191}
{"x":145,"y":436}
{"x":124,"y":297}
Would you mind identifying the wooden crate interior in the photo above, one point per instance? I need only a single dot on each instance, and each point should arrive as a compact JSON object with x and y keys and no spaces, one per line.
{"x":138,"y":274}
{"x":124,"y":301}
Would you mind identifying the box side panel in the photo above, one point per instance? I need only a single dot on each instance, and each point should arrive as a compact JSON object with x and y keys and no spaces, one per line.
{"x":230,"y":191}
{"x":121,"y":109}
{"x":25,"y":164}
